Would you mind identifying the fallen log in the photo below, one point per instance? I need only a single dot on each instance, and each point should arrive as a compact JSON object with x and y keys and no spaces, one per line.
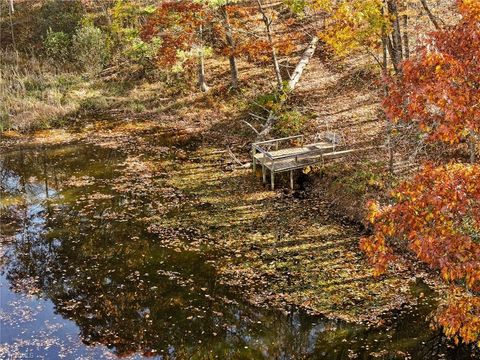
{"x":294,"y":79}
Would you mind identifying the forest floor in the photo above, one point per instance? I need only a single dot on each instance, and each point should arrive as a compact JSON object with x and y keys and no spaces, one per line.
{"x":280,"y":248}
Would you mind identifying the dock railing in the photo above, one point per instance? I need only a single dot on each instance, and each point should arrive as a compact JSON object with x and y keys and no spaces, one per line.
{"x":271,"y":156}
{"x":261,"y":146}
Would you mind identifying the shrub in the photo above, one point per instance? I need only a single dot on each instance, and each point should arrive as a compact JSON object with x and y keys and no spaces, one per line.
{"x":57,"y":46}
{"x":89,"y":49}
{"x":290,"y":123}
{"x":4,"y":120}
{"x":34,"y":97}
{"x":60,"y":16}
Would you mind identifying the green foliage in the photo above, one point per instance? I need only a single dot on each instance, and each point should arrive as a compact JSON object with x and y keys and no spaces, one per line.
{"x":5,"y":123}
{"x":60,"y":16}
{"x":125,"y":31}
{"x":57,"y":46}
{"x":140,"y":51}
{"x":136,"y":106}
{"x":268,"y":101}
{"x":470,"y":228}
{"x":360,"y":181}
{"x":290,"y":123}
{"x":296,"y":6}
{"x":89,"y":49}
{"x":126,"y":18}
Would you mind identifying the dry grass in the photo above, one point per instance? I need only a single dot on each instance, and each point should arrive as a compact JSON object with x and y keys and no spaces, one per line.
{"x":33,"y":95}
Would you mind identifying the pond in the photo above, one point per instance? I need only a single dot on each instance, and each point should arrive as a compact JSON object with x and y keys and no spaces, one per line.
{"x":83,"y":278}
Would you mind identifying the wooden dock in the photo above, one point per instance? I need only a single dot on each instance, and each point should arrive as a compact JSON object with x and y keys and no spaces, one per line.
{"x":271,"y":156}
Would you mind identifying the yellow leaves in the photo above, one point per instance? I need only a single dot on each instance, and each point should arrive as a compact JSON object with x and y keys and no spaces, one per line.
{"x":445,"y":274}
{"x":355,"y":24}
{"x":389,"y":229}
{"x":373,"y":210}
{"x":429,"y":217}
{"x":325,"y":5}
{"x":471,"y":8}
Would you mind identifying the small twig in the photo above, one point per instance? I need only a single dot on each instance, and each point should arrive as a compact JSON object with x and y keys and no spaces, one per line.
{"x":257,"y":116}
{"x":233,"y":156}
{"x":260,"y":105}
{"x":251,"y":127}
{"x":241,"y":165}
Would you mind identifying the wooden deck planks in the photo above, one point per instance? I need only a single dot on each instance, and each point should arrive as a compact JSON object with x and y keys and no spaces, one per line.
{"x":292,"y":158}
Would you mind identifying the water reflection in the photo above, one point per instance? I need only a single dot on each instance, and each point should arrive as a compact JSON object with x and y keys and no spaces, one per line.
{"x":73,"y":239}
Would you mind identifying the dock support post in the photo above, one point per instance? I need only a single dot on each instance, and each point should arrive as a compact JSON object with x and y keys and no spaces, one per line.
{"x":291,"y":179}
{"x":272,"y":175}
{"x":264,"y":173}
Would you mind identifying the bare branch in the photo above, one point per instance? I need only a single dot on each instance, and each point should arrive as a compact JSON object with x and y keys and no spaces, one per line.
{"x":251,"y":126}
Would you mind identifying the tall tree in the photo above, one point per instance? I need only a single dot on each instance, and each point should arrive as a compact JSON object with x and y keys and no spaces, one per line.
{"x":231,"y":43}
{"x":439,"y":89}
{"x":181,"y":26}
{"x":437,"y":213}
{"x":268,"y":21}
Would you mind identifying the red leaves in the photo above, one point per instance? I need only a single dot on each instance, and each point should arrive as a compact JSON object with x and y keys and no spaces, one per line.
{"x":439,"y":88}
{"x":437,"y":213}
{"x":460,"y":318}
{"x":177,"y":25}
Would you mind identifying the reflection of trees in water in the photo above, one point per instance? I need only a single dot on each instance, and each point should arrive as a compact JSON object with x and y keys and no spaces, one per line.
{"x":129,"y":293}
{"x":104,"y":276}
{"x":115,"y":295}
{"x":438,"y":346}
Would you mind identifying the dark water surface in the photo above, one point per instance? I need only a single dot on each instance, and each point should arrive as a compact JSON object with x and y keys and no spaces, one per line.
{"x":81,"y":278}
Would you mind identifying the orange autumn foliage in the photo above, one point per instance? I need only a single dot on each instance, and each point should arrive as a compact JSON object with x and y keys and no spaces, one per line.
{"x":439,"y":88}
{"x":437,"y":215}
{"x":177,"y":25}
{"x":249,"y":34}
{"x":460,"y":318}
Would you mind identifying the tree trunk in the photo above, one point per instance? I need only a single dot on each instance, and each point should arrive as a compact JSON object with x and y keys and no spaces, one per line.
{"x":268,"y":26}
{"x":201,"y":64}
{"x":432,"y":17}
{"x":472,"y":139}
{"x":304,"y":60}
{"x":406,"y":42}
{"x":388,"y":124}
{"x":395,"y":43}
{"x":231,"y":44}
{"x":201,"y":72}
{"x":11,"y":10}
{"x":393,"y":54}
{"x":384,"y":53}
{"x":384,"y":58}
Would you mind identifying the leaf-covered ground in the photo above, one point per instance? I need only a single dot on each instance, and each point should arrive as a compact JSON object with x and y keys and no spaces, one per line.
{"x":280,"y":248}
